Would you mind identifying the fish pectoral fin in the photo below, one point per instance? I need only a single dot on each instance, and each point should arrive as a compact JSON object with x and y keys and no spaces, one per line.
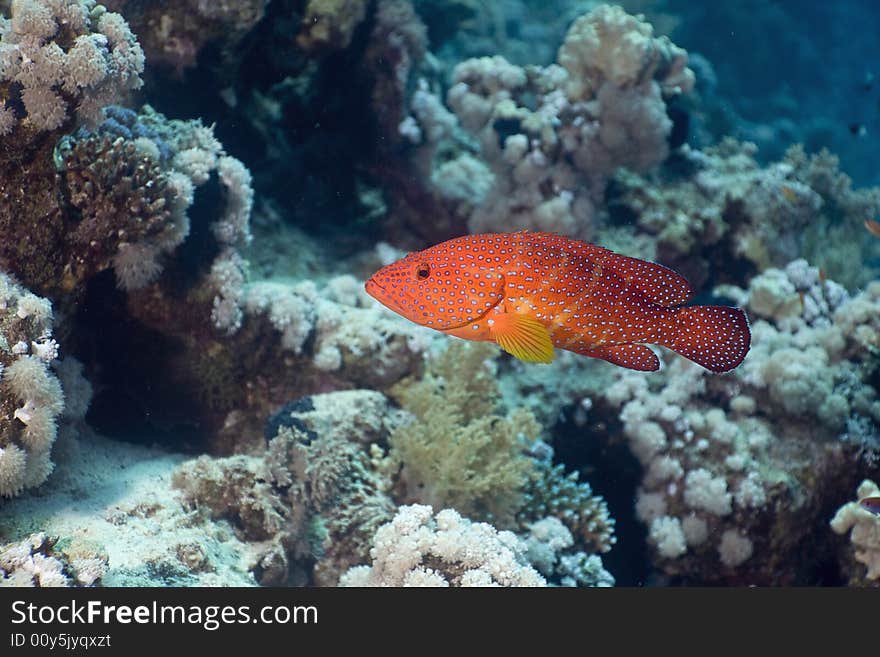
{"x":632,"y":356}
{"x":522,"y":336}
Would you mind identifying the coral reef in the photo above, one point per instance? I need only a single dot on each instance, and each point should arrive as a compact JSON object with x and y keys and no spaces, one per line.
{"x":735,"y":466}
{"x":30,"y":395}
{"x":312,"y":502}
{"x":334,"y":471}
{"x":124,"y":191}
{"x":418,"y":548}
{"x":192,"y":192}
{"x":864,"y":528}
{"x":729,"y":208}
{"x":174,"y":33}
{"x":44,"y":561}
{"x":59,"y":58}
{"x":458,"y":452}
{"x":550,"y":137}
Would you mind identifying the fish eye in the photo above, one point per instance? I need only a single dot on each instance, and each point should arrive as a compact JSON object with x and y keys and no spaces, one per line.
{"x":423,"y":271}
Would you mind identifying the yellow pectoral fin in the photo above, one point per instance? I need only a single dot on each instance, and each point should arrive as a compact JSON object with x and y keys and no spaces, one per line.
{"x":522,"y":336}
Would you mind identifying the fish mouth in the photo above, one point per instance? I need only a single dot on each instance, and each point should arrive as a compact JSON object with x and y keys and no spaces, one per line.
{"x":372,"y":288}
{"x":380,"y":294}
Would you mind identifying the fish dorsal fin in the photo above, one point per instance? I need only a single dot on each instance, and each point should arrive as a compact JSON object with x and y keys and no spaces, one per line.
{"x":522,"y":336}
{"x":631,"y":356}
{"x":659,"y":284}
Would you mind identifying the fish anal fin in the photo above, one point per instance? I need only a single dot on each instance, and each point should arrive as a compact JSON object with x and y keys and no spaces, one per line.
{"x":631,"y":356}
{"x":522,"y":336}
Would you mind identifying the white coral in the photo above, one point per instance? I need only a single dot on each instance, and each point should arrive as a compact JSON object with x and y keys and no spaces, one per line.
{"x":705,"y":492}
{"x":28,"y":386}
{"x":864,"y":528}
{"x":462,"y":553}
{"x":552,"y":136}
{"x":734,"y":548}
{"x":610,"y":45}
{"x":103,"y":63}
{"x":668,"y":537}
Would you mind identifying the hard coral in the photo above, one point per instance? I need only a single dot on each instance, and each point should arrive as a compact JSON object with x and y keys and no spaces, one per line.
{"x":735,"y":467}
{"x":609,"y":45}
{"x":124,"y":190}
{"x":549,"y":138}
{"x":418,"y":548}
{"x":313,"y":499}
{"x":30,"y":396}
{"x":551,"y":493}
{"x":120,"y":199}
{"x":549,"y":548}
{"x":459,"y":452}
{"x":62,"y":57}
{"x":724,"y":203}
{"x":44,"y":561}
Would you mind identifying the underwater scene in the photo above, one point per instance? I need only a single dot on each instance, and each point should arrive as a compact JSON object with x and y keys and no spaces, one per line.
{"x":439,"y":293}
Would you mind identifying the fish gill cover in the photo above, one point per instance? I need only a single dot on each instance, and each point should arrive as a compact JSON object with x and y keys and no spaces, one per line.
{"x":195,"y":388}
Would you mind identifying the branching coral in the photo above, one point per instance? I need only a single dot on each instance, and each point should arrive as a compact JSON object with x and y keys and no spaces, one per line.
{"x":549,"y":549}
{"x":122,"y":201}
{"x":359,"y":342}
{"x":802,"y":206}
{"x":608,"y":45}
{"x":549,"y":138}
{"x":735,"y":466}
{"x":30,"y":395}
{"x":43,"y":561}
{"x":181,"y":155}
{"x":551,"y":493}
{"x":118,"y":197}
{"x":418,"y":548}
{"x":58,"y":57}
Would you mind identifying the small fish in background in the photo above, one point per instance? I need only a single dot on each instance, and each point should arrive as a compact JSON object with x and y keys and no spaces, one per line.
{"x":533,"y":292}
{"x":868,"y":81}
{"x":873,"y":227}
{"x":871,"y":504}
{"x":858,"y":129}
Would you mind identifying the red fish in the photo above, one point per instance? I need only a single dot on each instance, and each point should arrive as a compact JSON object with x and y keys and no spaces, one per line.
{"x":871,"y":504}
{"x":531,"y":292}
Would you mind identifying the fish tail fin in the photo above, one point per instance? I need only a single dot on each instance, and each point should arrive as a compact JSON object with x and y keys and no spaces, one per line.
{"x":715,"y":337}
